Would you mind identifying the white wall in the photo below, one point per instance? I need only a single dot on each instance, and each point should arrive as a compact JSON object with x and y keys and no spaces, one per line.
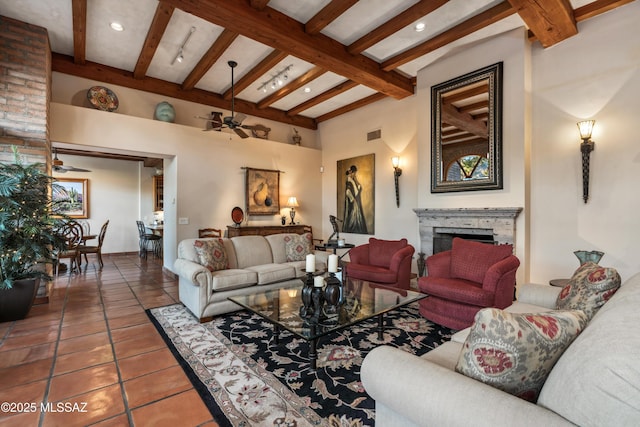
{"x":345,"y":137}
{"x":203,"y":175}
{"x":595,"y":74}
{"x":119,"y":191}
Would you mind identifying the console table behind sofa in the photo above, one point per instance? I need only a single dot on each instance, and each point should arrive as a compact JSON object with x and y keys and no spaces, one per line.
{"x":265,"y":230}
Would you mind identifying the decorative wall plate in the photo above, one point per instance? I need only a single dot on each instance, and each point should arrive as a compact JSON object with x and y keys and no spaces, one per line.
{"x":102,"y":98}
{"x":237,"y":215}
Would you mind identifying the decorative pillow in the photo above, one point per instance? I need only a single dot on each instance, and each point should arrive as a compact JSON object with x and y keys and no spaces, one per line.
{"x":381,"y":251}
{"x":470,"y":260}
{"x":516,"y":352}
{"x":589,"y":288}
{"x":298,"y":246}
{"x":212,"y":254}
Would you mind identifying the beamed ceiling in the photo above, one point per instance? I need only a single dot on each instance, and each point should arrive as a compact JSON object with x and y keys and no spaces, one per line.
{"x":345,"y":53}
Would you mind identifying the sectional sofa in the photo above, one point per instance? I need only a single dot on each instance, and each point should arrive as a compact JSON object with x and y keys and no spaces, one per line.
{"x":595,"y":382}
{"x":251,"y":264}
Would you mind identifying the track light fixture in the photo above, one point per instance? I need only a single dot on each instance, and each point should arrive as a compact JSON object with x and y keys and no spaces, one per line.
{"x":277,"y":80}
{"x":180,"y":55}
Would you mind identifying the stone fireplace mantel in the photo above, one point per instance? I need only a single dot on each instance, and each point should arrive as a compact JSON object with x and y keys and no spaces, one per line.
{"x":499,"y":222}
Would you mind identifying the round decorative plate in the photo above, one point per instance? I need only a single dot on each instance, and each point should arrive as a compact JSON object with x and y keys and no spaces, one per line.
{"x":237,"y":215}
{"x":103,"y":98}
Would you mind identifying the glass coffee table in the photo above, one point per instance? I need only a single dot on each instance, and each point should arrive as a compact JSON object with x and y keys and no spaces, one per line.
{"x":362,"y":301}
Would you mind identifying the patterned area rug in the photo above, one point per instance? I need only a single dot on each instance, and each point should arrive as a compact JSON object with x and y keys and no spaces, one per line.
{"x":246,"y":379}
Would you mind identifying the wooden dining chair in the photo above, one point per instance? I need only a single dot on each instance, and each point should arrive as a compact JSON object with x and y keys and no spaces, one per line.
{"x":72,"y":233}
{"x":95,"y":249}
{"x":209,"y":232}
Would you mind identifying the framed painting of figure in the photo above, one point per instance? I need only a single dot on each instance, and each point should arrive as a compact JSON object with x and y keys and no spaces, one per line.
{"x":356,"y":194}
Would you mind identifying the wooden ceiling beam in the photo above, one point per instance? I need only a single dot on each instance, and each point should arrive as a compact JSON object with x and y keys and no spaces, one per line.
{"x":79,"y":11}
{"x":214,"y":53}
{"x":268,"y":27}
{"x":552,"y":21}
{"x":258,"y":4}
{"x":350,"y":107}
{"x":256,"y":72}
{"x":154,"y":35}
{"x":312,"y":74}
{"x":410,"y":15}
{"x":590,"y":10}
{"x":464,"y":121}
{"x":471,"y":25}
{"x":93,"y":71}
{"x":327,"y":15}
{"x":334,"y":91}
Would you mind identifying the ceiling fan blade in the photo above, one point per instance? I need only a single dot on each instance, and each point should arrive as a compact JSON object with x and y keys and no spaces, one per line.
{"x":59,"y":169}
{"x":238,"y":119}
{"x":241,"y":133}
{"x":73,"y":169}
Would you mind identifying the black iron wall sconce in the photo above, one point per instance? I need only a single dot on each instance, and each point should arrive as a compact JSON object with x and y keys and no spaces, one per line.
{"x":586,"y":147}
{"x":395,"y":161}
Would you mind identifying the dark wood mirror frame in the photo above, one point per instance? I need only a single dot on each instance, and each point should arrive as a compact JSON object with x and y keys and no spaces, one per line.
{"x":466,"y":120}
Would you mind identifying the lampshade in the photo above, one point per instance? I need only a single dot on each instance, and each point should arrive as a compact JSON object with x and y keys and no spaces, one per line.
{"x":292,"y":202}
{"x":395,"y":161}
{"x":586,"y":127}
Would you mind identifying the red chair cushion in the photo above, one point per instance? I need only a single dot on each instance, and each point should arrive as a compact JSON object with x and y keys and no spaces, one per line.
{"x":381,"y":251}
{"x":470,"y":260}
{"x":371,"y":273}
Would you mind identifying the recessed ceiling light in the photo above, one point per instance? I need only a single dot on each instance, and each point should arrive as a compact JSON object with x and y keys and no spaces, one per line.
{"x":420,"y":26}
{"x":116,"y":26}
{"x":307,"y":89}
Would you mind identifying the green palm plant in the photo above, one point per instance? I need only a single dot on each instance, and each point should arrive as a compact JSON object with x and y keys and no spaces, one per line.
{"x":28,"y":239}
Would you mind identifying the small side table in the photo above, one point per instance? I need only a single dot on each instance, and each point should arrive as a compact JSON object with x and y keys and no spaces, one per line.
{"x":561,"y":283}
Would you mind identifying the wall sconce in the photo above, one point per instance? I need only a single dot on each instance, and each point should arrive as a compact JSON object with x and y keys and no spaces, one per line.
{"x":586,"y":147}
{"x":395,"y":161}
{"x":293,"y":204}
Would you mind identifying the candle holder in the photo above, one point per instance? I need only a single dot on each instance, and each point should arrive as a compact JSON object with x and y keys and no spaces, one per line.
{"x":317,"y":298}
{"x":306,"y":310}
{"x":333,"y":294}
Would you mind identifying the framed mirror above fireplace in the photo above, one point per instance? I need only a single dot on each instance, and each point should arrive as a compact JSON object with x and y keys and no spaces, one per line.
{"x":466,"y":132}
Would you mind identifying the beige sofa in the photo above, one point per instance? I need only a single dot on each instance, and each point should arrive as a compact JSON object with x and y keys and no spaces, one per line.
{"x":256,"y":263}
{"x":596,"y":381}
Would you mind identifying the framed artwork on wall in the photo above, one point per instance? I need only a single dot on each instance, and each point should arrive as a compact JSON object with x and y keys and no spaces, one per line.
{"x":356,"y":194}
{"x":262,"y":192}
{"x":71,"y":197}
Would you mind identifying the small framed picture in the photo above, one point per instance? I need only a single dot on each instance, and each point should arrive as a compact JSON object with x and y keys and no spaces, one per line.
{"x":71,"y":197}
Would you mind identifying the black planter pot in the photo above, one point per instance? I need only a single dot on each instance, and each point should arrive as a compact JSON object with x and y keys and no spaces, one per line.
{"x":16,"y":302}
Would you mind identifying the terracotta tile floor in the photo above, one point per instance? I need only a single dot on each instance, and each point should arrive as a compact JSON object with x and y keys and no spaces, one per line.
{"x":94,"y":356}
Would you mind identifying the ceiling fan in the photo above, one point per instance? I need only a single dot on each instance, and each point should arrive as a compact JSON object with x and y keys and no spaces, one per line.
{"x":234,"y":121}
{"x":58,"y":165}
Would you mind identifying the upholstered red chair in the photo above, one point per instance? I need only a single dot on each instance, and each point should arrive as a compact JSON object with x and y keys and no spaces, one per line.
{"x":385,"y":262}
{"x":469,"y":277}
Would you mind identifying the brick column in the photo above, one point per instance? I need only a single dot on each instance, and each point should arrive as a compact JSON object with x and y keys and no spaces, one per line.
{"x":25,"y":90}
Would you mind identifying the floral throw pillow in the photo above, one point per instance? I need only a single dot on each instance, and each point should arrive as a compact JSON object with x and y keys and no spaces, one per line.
{"x":516,"y":352}
{"x":212,"y":254}
{"x":298,"y":246}
{"x":589,"y":288}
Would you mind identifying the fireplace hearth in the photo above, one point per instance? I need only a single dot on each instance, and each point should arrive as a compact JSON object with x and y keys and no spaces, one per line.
{"x":439,"y":226}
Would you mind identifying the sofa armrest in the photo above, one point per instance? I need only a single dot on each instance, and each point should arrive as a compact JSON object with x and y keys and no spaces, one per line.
{"x":536,"y":294}
{"x":439,"y":265}
{"x":431,"y":395}
{"x":196,"y":273}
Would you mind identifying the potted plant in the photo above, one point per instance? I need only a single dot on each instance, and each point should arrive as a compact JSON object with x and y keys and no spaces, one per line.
{"x":28,"y":239}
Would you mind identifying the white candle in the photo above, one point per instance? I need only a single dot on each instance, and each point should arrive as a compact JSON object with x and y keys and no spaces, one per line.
{"x":318,"y":281}
{"x":333,"y":263}
{"x":311,"y":263}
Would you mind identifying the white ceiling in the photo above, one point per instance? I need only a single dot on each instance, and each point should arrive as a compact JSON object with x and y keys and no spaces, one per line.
{"x":121,"y":50}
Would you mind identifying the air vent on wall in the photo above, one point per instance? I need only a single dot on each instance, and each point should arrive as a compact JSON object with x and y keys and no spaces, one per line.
{"x":374,"y":135}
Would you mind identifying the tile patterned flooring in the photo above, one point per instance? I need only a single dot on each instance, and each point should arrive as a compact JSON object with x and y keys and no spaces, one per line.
{"x":94,"y":357}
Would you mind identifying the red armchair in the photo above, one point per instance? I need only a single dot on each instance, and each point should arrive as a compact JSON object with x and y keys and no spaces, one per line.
{"x":384,"y":262}
{"x":469,"y":277}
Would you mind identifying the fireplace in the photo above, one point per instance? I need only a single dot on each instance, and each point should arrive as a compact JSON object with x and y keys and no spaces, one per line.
{"x":443,"y":237}
{"x":439,"y":226}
